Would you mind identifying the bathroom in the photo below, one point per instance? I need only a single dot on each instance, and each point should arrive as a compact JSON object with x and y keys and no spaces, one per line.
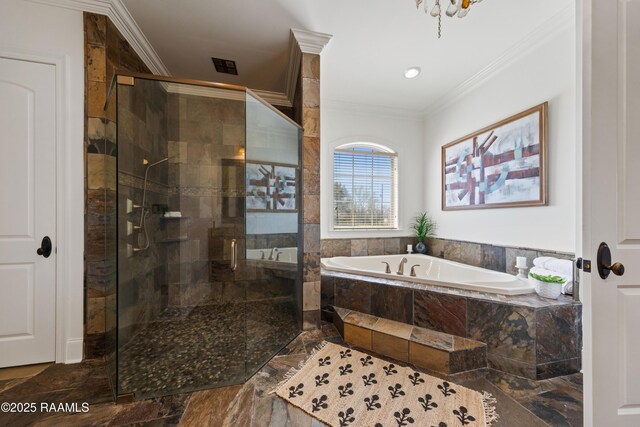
{"x":222,"y":207}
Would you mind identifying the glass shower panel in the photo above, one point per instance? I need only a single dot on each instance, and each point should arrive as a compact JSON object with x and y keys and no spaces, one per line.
{"x":208,"y":272}
{"x":272,"y":186}
{"x":181,"y":303}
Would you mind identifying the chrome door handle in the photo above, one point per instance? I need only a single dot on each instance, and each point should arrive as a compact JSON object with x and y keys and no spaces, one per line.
{"x":234,"y":254}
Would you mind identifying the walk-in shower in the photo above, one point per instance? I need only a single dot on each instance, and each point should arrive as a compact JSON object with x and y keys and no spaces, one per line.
{"x":208,"y":175}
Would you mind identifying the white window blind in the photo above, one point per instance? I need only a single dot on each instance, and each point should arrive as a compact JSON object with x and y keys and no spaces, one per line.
{"x":364,"y":187}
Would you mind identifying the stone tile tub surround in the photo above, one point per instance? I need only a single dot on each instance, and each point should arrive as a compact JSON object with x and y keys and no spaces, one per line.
{"x":491,"y":257}
{"x":525,"y":335}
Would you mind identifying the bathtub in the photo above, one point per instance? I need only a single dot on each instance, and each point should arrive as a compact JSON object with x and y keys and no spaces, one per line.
{"x":432,"y":271}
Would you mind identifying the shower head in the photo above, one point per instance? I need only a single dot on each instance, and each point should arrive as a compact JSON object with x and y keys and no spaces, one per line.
{"x":156,"y":163}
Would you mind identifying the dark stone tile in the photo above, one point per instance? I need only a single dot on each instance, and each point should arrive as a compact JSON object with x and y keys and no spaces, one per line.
{"x":516,"y":386}
{"x":435,"y":247}
{"x":311,"y":267}
{"x":392,"y":246}
{"x":392,"y":302}
{"x":559,"y":407}
{"x":555,"y":369}
{"x":471,"y":253}
{"x":327,"y":291}
{"x":494,"y":258}
{"x":311,"y":319}
{"x":467,"y":360}
{"x":311,"y":238}
{"x":375,"y":247}
{"x":443,"y":313}
{"x":453,"y":250}
{"x":511,"y":366}
{"x":342,"y":247}
{"x":359,"y":247}
{"x":558,"y":333}
{"x":508,"y":331}
{"x":326,"y":248}
{"x":354,"y":295}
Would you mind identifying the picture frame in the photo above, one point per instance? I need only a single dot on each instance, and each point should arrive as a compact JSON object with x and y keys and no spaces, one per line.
{"x":271,"y":187}
{"x":500,"y":166}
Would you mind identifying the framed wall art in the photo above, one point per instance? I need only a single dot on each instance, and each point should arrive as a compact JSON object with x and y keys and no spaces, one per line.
{"x":500,"y":166}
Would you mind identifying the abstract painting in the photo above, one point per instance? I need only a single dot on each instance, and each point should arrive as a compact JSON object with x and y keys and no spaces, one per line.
{"x":271,"y":187}
{"x":502,"y":165}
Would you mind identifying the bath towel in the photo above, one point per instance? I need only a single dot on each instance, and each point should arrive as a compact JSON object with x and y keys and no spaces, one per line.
{"x":561,"y":266}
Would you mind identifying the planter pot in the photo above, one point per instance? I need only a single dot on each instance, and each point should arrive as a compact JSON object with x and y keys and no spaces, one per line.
{"x":420,"y":248}
{"x":547,"y":290}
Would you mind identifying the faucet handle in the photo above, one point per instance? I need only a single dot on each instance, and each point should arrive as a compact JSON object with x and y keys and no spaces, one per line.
{"x":413,"y":270}
{"x":388,"y":269}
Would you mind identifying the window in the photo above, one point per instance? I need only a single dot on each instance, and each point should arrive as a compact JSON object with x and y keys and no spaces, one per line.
{"x":364,"y":187}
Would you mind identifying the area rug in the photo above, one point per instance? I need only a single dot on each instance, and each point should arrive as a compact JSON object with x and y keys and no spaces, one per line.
{"x":344,"y":387}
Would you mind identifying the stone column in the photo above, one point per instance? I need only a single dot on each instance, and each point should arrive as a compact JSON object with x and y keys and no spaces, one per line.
{"x":307,"y":103}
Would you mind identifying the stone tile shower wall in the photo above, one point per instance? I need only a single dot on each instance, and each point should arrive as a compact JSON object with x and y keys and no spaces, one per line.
{"x":105,"y":51}
{"x":309,"y":88}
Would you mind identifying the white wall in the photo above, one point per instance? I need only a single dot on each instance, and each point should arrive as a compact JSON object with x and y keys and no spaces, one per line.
{"x":546,"y":74}
{"x":400,"y":131}
{"x":29,"y":30}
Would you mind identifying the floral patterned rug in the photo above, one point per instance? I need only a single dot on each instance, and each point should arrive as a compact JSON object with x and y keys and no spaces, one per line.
{"x":344,"y":387}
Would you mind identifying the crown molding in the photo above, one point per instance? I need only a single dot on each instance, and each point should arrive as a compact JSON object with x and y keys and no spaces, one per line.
{"x":547,"y":31}
{"x":311,"y":41}
{"x":378,"y":110}
{"x":116,"y":11}
{"x":274,"y":98}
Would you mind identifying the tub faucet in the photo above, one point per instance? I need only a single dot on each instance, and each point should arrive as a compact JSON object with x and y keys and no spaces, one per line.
{"x":403,"y":261}
{"x":261,"y":254}
{"x":271,"y":253}
{"x":387,"y":269}
{"x":413,"y":270}
{"x":278,"y":256}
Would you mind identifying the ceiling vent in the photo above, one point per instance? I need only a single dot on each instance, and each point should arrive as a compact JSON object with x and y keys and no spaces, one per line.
{"x":225,"y":66}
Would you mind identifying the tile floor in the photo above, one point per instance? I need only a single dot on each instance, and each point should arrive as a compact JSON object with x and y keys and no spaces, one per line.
{"x":520,"y":402}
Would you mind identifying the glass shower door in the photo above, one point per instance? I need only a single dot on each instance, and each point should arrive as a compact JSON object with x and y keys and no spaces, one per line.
{"x":209,"y":282}
{"x":181,"y":227}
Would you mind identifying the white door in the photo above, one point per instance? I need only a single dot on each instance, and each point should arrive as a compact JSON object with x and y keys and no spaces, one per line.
{"x":611,"y":209}
{"x":27,"y":211}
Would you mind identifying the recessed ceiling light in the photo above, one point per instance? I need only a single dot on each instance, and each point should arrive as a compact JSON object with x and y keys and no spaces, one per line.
{"x":412,"y":72}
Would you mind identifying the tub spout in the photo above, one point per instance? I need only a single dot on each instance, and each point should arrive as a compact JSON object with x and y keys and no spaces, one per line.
{"x":387,"y":269}
{"x":413,"y":270}
{"x":403,"y":261}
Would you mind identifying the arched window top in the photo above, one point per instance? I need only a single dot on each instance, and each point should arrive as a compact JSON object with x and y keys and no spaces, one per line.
{"x":365,"y":186}
{"x":365,"y":147}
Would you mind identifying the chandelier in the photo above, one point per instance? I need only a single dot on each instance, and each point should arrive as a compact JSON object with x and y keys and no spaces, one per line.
{"x":455,"y":7}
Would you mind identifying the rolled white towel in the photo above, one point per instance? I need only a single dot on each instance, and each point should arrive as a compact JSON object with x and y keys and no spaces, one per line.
{"x":561,"y":266}
{"x":540,"y":261}
{"x":567,"y":286}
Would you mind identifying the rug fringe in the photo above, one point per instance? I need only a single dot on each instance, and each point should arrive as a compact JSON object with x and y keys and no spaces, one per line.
{"x":489,"y":404}
{"x":291,"y":372}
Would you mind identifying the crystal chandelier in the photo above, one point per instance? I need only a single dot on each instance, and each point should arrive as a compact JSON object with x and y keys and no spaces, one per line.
{"x":455,"y":7}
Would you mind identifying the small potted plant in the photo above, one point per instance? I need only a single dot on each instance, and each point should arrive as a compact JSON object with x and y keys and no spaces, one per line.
{"x":423,"y":226}
{"x":547,"y":286}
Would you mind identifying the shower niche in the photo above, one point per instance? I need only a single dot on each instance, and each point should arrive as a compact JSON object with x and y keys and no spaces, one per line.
{"x":208,"y":287}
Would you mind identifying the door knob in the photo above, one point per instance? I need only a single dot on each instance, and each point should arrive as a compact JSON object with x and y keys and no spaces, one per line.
{"x":45,"y":247}
{"x":604,"y":262}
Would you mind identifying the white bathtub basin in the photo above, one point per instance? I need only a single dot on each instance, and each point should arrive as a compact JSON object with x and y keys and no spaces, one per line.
{"x":432,"y":271}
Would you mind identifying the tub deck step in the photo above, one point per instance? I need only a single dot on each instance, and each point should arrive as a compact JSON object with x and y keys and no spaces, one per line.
{"x":438,"y":351}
